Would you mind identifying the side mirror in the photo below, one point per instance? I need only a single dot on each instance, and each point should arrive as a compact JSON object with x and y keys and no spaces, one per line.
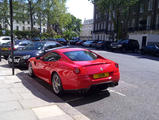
{"x":39,"y":58}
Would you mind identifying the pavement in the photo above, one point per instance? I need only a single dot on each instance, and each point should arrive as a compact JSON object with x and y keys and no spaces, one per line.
{"x":23,"y":98}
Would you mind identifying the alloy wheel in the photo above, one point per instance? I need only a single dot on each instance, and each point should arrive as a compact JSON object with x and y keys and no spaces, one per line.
{"x":56,"y":84}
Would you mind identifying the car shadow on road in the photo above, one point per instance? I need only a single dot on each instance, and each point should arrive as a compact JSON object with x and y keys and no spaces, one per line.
{"x":77,"y":99}
{"x":43,"y":90}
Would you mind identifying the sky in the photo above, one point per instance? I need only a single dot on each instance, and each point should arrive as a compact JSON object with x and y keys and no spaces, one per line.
{"x":82,"y":9}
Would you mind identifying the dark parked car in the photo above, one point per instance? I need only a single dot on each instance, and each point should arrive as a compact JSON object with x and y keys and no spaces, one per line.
{"x":107,"y":45}
{"x":87,"y":43}
{"x":151,"y":49}
{"x":125,"y":45}
{"x":79,"y":42}
{"x":62,"y":41}
{"x":100,"y":45}
{"x":18,"y":45}
{"x":94,"y":43}
{"x":32,"y":50}
{"x":36,"y":39}
{"x":73,"y":42}
{"x":50,"y":39}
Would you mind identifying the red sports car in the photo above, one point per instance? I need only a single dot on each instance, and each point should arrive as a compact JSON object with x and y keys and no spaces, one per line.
{"x":74,"y":69}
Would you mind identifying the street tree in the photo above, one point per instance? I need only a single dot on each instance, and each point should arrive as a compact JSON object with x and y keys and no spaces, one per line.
{"x":4,"y":13}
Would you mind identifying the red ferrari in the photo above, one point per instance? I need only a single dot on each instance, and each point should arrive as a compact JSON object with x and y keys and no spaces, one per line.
{"x":74,"y":69}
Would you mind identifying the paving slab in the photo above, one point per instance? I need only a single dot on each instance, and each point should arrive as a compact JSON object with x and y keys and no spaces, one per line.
{"x":50,"y":113}
{"x":9,"y":106}
{"x":19,"y":115}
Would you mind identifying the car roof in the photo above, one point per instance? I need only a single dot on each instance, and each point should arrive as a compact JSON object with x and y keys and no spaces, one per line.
{"x":70,"y":49}
{"x":4,"y":36}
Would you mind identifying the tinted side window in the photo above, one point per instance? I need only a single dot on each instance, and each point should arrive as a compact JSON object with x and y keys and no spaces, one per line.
{"x":52,"y":57}
{"x":50,"y":46}
{"x":151,"y":46}
{"x":6,"y":39}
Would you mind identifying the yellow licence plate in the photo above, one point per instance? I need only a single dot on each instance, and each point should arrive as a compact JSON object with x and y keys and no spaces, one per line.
{"x":100,"y":75}
{"x":4,"y":48}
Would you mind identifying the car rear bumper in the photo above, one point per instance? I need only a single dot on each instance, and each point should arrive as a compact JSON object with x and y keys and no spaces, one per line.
{"x":5,"y":53}
{"x":86,"y":82}
{"x":20,"y":63}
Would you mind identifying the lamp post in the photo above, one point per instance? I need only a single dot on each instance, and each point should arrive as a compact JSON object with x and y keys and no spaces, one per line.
{"x":11,"y":34}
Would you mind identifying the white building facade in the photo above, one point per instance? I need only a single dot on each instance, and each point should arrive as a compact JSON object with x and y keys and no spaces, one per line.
{"x":86,"y":30}
{"x":24,"y":26}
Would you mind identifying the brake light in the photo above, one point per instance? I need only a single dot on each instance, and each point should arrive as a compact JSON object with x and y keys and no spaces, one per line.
{"x":76,"y":70}
{"x":10,"y":48}
{"x":116,"y":65}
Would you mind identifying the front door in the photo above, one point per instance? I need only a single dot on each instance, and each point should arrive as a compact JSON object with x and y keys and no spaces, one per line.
{"x":144,"y":41}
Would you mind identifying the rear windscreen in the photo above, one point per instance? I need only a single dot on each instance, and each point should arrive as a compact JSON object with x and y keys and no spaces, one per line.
{"x":81,"y":55}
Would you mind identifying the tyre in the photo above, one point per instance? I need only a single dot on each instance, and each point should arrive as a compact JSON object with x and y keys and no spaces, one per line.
{"x":123,"y":50}
{"x":5,"y":57}
{"x":30,"y":69}
{"x":142,"y":52}
{"x":56,"y":84}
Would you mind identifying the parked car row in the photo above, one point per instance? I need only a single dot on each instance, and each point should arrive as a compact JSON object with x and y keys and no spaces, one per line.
{"x":121,"y":45}
{"x":18,"y":45}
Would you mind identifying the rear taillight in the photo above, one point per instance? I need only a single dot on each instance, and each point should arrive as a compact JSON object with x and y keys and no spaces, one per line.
{"x":76,"y":70}
{"x":10,"y":48}
{"x":116,"y":65}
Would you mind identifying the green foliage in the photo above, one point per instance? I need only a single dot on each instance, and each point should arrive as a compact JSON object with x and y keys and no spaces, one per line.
{"x":118,"y":11}
{"x":26,"y":34}
{"x":53,"y":13}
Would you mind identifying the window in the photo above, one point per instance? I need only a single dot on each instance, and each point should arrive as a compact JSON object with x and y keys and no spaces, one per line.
{"x":52,"y":57}
{"x":51,"y":46}
{"x":17,"y":28}
{"x":81,"y":55}
{"x":104,"y":25}
{"x":157,"y":21}
{"x":28,"y":28}
{"x":23,"y":28}
{"x":23,"y":22}
{"x":17,"y":21}
{"x":96,"y":16}
{"x":148,"y":22}
{"x":133,"y":23}
{"x":6,"y":26}
{"x":141,"y":8}
{"x":6,"y":39}
{"x":43,"y":29}
{"x":28,"y":22}
{"x":150,"y":3}
{"x":112,"y":27}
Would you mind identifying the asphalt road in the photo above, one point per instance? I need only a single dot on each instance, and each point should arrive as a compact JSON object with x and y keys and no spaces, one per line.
{"x":136,"y":97}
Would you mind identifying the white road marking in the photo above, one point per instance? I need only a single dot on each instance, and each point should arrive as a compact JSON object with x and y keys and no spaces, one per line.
{"x":129,"y":84}
{"x":113,"y":91}
{"x":75,"y":99}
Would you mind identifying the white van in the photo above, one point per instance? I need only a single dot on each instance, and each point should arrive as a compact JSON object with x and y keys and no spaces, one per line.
{"x":5,"y":39}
